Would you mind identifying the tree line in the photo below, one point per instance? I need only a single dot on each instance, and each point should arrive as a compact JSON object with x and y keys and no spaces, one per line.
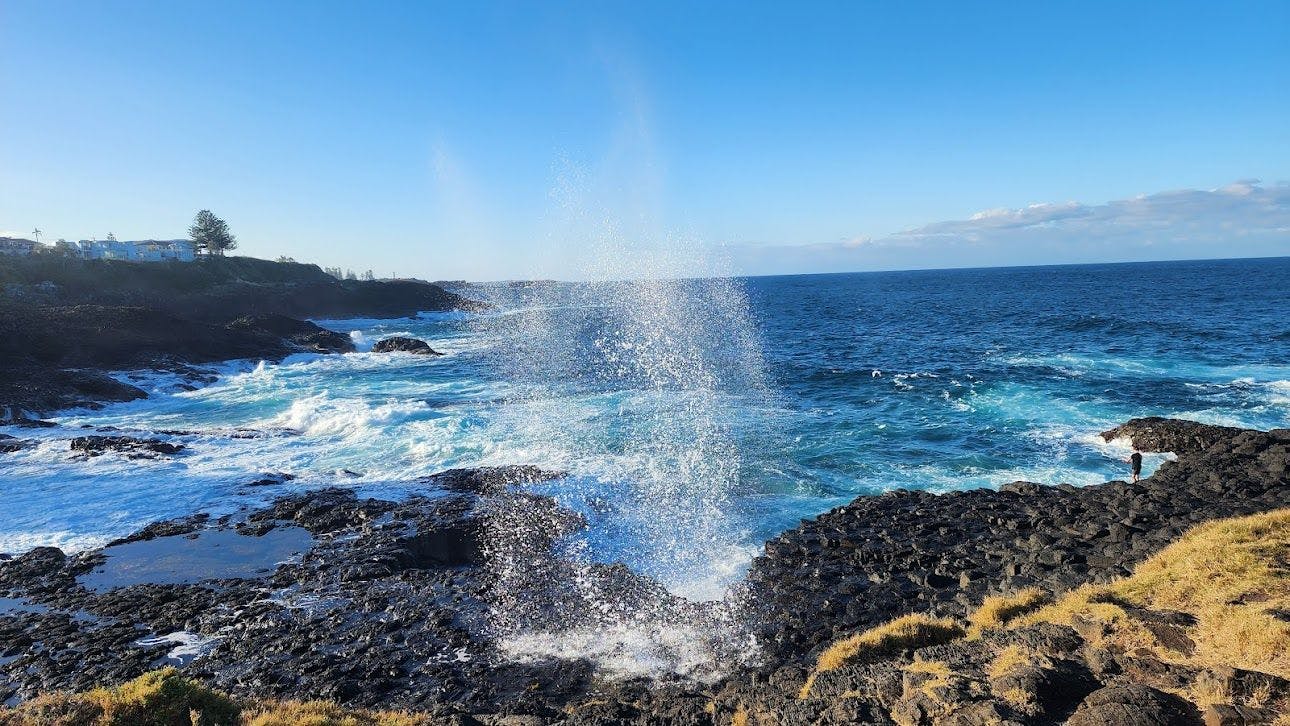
{"x":211,"y":235}
{"x":347,"y":274}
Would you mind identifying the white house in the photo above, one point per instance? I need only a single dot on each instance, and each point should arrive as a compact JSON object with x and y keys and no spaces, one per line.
{"x":153,"y":250}
{"x":149,"y":250}
{"x":16,"y":246}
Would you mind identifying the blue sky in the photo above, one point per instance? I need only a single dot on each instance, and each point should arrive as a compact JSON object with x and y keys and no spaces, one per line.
{"x":490,"y":140}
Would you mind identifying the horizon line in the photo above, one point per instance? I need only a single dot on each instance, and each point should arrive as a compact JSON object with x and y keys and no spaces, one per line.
{"x":861,"y":272}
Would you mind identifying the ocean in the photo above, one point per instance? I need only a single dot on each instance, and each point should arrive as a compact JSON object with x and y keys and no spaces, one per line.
{"x":698,"y":418}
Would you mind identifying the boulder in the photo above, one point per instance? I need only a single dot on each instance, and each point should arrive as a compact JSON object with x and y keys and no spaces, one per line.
{"x":130,"y":446}
{"x":10,"y":444}
{"x":400,"y":344}
{"x":489,"y":479}
{"x":1132,"y":704}
{"x":1178,"y":436}
{"x":300,"y":333}
{"x":35,"y":387}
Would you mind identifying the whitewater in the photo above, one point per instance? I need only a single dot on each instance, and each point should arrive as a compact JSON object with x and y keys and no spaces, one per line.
{"x":698,"y":418}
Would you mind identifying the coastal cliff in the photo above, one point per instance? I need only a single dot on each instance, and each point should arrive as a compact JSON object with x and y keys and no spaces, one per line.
{"x":66,"y":323}
{"x":1159,"y":602}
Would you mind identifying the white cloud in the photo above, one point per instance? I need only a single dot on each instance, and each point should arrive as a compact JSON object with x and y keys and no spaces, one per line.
{"x":1242,"y":219}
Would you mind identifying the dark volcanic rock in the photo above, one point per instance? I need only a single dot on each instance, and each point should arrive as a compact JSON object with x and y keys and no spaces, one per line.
{"x":26,"y":386}
{"x":33,"y":565}
{"x":274,"y":479}
{"x":902,"y":552}
{"x":130,"y":446}
{"x":48,"y":355}
{"x":169,"y":528}
{"x":10,"y":444}
{"x":399,"y":344}
{"x":389,"y":606}
{"x":116,"y":338}
{"x":490,"y":479}
{"x":1133,"y":704}
{"x":400,"y":604}
{"x":301,"y":333}
{"x":1170,"y":434}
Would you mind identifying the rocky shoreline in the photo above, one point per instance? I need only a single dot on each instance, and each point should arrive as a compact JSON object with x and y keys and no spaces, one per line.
{"x":66,"y":325}
{"x":410,"y":604}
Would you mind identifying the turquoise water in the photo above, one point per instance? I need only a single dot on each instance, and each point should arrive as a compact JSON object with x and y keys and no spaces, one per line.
{"x":699,"y":418}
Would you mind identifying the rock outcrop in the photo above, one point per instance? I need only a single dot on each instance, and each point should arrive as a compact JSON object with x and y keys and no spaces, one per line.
{"x":390,"y":603}
{"x":128,"y":446}
{"x":10,"y":444}
{"x":906,"y":551}
{"x":300,"y":333}
{"x":400,"y":344}
{"x":65,"y":323}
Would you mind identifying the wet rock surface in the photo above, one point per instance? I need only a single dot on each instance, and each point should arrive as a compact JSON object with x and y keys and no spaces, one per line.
{"x":391,"y":604}
{"x":34,"y":386}
{"x":10,"y":444}
{"x":387,"y":604}
{"x":129,"y":446}
{"x":300,"y":333}
{"x":901,"y":552}
{"x":400,"y":344}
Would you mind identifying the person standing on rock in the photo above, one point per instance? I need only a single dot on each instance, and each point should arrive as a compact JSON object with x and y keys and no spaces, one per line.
{"x":1135,"y":461}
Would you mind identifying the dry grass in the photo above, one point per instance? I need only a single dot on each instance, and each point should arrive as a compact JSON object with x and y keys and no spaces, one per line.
{"x":1232,"y":575}
{"x":165,"y":698}
{"x":325,"y":713}
{"x":938,"y":673}
{"x":1008,"y":660}
{"x":740,"y":717}
{"x":158,"y":698}
{"x":908,"y":632}
{"x":997,"y":611}
{"x":1020,"y":698}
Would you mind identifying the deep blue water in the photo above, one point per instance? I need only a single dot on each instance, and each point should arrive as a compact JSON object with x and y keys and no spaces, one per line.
{"x":701,"y":417}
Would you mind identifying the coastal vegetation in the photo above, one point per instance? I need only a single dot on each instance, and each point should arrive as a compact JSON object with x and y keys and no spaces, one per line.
{"x":210,"y":233}
{"x":1231,"y":578}
{"x":904,"y":633}
{"x":166,"y":698}
{"x":1216,"y":599}
{"x":998,"y":610}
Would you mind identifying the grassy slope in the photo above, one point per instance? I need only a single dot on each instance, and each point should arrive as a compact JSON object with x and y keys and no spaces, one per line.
{"x":1231,"y":576}
{"x":215,"y":289}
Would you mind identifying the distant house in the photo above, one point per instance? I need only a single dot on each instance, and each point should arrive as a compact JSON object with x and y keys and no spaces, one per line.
{"x":16,"y":246}
{"x":148,"y":250}
{"x":154,"y":250}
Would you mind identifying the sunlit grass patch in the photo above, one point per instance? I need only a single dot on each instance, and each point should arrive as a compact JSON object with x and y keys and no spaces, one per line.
{"x":326,"y":713}
{"x":910,"y":631}
{"x":997,"y":611}
{"x":166,"y":698}
{"x":157,"y":698}
{"x":1231,"y":575}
